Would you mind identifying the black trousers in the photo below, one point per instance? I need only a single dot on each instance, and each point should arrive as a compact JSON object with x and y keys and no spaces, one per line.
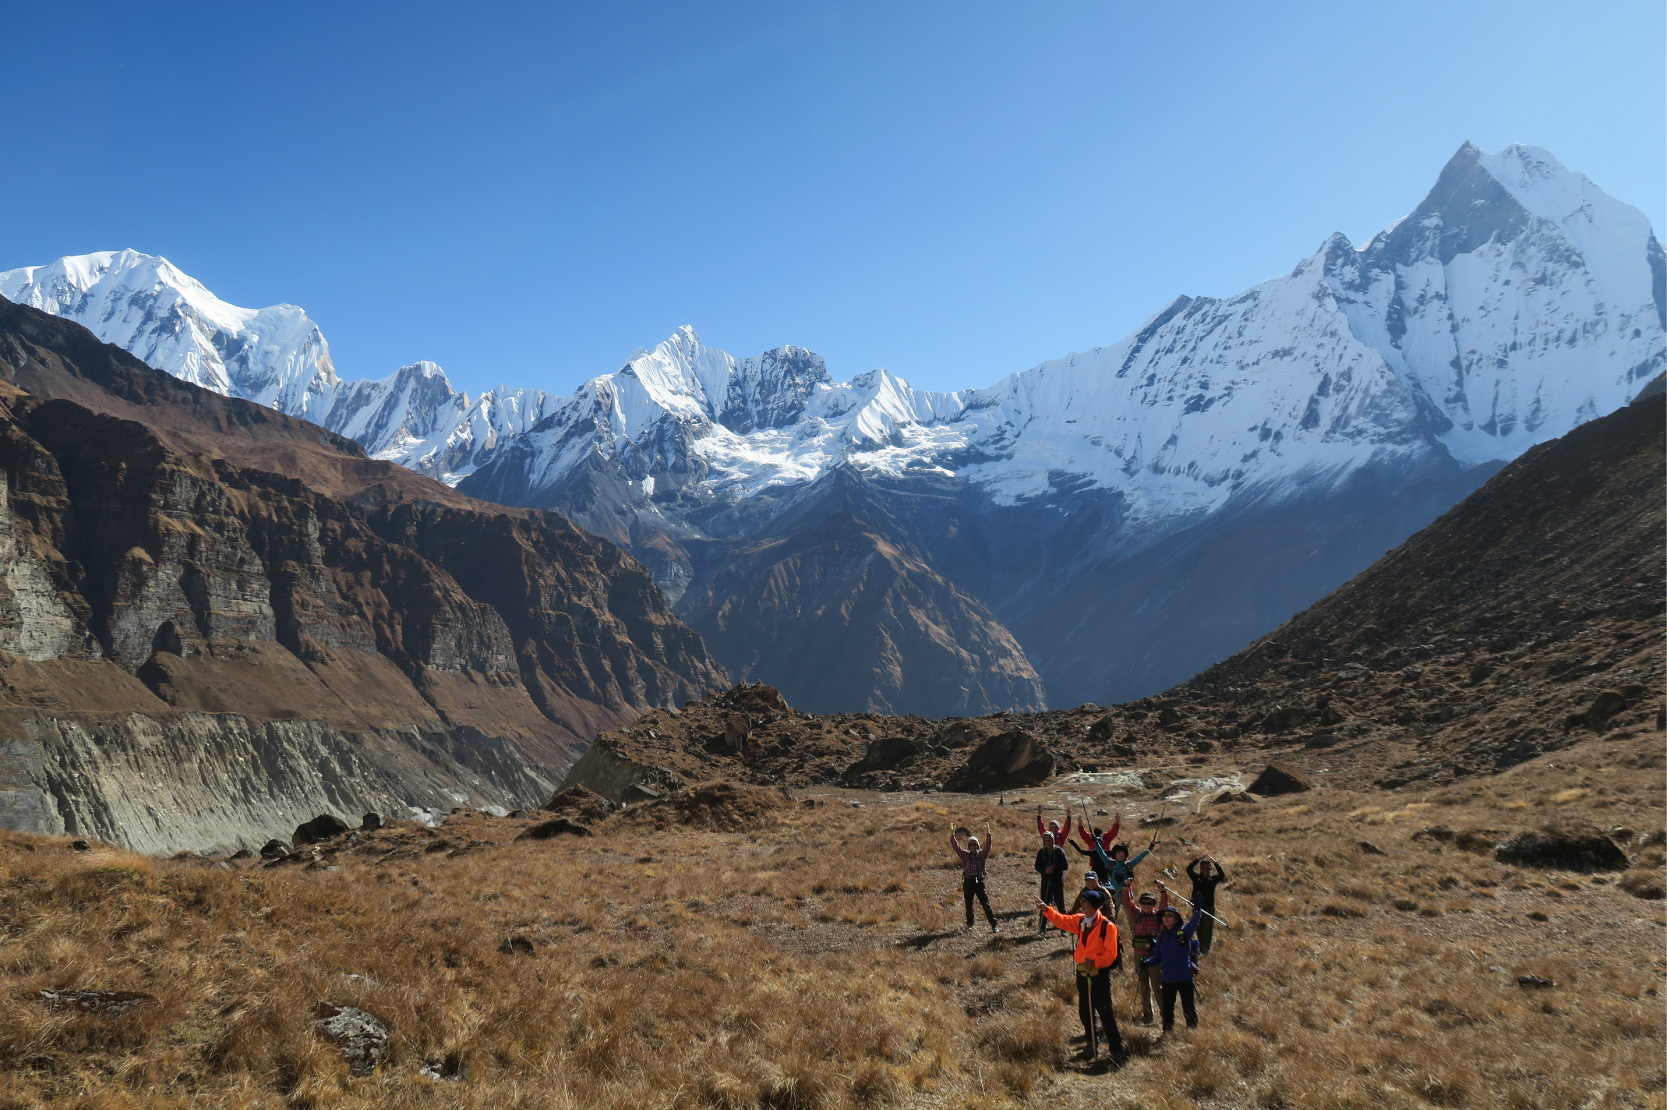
{"x":1166,"y":1000}
{"x":1053,"y":893}
{"x":971,"y":886}
{"x":1094,"y":997}
{"x":1206,"y":929}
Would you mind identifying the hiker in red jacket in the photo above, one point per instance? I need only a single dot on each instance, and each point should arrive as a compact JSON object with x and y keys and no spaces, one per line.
{"x":1102,"y":840}
{"x":1144,"y":922}
{"x":1060,"y":836}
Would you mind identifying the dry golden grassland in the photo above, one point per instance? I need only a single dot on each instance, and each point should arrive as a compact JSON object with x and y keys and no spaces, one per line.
{"x":815,"y":960}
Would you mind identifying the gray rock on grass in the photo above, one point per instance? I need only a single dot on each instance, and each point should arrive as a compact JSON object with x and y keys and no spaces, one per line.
{"x":361,"y":1038}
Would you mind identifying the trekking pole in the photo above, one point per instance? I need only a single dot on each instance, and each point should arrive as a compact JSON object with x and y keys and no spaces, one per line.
{"x":1093,"y":1030}
{"x":1206,"y":913}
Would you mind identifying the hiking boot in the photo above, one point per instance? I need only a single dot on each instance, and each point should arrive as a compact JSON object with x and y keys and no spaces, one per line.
{"x":994,"y":928}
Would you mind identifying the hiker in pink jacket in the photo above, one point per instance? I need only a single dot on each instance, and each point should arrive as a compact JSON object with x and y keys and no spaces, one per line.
{"x":973,"y":857}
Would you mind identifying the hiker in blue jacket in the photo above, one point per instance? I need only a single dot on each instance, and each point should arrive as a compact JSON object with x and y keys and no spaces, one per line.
{"x":1172,"y":951}
{"x":1121,"y":867}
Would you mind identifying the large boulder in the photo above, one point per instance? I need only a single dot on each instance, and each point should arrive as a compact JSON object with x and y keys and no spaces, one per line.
{"x":958,"y":734}
{"x":1005,"y":761}
{"x":322,"y":827}
{"x":608,"y":769}
{"x":1572,"y":847}
{"x":1275,"y":780}
{"x":884,"y":754}
{"x":1605,"y":706}
{"x":757,"y":698}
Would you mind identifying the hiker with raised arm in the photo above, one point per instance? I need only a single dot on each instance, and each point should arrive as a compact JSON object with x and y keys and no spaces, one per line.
{"x":1051,"y":865}
{"x":973,"y":858}
{"x":1143,"y":922}
{"x":1060,"y":836}
{"x":1096,"y":955}
{"x":1172,"y":954}
{"x":1104,"y":838}
{"x":1206,"y":874}
{"x":1096,"y":856}
{"x":1121,"y":867}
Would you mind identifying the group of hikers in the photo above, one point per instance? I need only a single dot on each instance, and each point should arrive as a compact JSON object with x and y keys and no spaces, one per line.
{"x":1165,"y":944}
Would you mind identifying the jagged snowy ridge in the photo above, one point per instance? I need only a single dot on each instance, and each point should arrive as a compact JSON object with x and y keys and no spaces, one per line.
{"x":274,"y":356}
{"x":1517,"y":301}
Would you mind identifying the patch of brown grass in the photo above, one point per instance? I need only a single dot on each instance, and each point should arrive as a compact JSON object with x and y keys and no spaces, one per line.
{"x":814,"y":958}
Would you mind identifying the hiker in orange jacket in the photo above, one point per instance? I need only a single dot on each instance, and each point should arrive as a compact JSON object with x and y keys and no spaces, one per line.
{"x":1096,"y":952}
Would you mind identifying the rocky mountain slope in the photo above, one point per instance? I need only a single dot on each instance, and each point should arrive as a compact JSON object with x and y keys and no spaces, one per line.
{"x":1527,"y":618}
{"x":216,"y":620}
{"x":1097,"y":528}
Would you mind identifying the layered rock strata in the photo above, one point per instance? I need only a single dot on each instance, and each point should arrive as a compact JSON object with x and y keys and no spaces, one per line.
{"x":200,"y":653}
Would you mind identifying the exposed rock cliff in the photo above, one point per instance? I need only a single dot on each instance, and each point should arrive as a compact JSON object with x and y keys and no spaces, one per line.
{"x":200,"y":650}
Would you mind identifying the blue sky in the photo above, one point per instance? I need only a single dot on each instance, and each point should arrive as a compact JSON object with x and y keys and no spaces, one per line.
{"x":954,"y":191}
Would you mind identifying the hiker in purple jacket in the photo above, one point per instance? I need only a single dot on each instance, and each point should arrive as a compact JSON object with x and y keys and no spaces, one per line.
{"x":1172,"y":952}
{"x":972,"y":873}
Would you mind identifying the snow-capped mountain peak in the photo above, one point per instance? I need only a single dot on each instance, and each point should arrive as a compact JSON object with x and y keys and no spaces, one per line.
{"x":274,"y":356}
{"x":1188,"y":485}
{"x":1516,"y":300}
{"x":144,"y":303}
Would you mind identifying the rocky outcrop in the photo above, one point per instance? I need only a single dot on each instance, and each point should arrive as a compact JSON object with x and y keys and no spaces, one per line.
{"x":167,"y":781}
{"x":361,"y":1038}
{"x":199,"y":653}
{"x":1004,"y":761}
{"x":605,"y":769}
{"x":1276,"y":780}
{"x":1568,"y":847}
